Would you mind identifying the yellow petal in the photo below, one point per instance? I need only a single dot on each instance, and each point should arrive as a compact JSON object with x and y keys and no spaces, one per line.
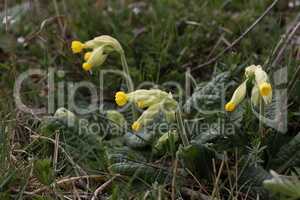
{"x":265,"y":89}
{"x":230,"y":106}
{"x":87,"y":55}
{"x":87,"y":66}
{"x":77,"y":46}
{"x":136,"y":126}
{"x":121,"y":98}
{"x":96,"y":57}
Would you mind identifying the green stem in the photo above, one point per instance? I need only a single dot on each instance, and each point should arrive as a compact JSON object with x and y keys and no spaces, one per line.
{"x":182,"y":131}
{"x":128,"y":80}
{"x":261,"y":114}
{"x":126,"y":71}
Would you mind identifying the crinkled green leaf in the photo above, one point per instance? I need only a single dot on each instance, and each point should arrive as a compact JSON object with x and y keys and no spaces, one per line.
{"x":208,"y":97}
{"x":198,"y":159}
{"x":140,"y":171}
{"x":288,"y":155}
{"x":253,"y":177}
{"x":287,"y":188}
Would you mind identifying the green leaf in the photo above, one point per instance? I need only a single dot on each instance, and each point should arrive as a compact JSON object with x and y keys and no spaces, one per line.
{"x":289,"y":188}
{"x":198,"y":159}
{"x":208,"y":97}
{"x":140,"y":172}
{"x":288,"y":155}
{"x":253,"y":177}
{"x":139,"y":140}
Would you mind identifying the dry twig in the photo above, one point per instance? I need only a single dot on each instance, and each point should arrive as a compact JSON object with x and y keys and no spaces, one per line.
{"x":248,"y":30}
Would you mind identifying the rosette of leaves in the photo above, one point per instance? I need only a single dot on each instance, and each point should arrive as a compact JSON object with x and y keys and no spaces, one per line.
{"x":208,"y":96}
{"x":75,"y":141}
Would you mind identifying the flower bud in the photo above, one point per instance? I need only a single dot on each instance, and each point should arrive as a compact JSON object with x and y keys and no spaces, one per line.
{"x":96,"y":58}
{"x":87,"y":55}
{"x":237,"y":97}
{"x":146,"y":117}
{"x":116,"y":117}
{"x":265,"y":88}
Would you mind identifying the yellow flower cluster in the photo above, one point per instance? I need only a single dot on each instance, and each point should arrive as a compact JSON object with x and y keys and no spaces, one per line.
{"x":261,"y":89}
{"x":100,"y":47}
{"x":153,"y":100}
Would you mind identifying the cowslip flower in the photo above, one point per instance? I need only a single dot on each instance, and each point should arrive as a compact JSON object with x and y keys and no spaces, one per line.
{"x":98,"y":49}
{"x":142,"y":98}
{"x":97,"y":57}
{"x":261,"y":88}
{"x":237,"y":97}
{"x":154,"y":101}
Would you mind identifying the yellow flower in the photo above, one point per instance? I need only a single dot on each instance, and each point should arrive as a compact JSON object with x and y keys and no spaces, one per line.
{"x":110,"y":43}
{"x":261,"y":89}
{"x":265,"y":89}
{"x":230,"y":106}
{"x":107,"y":42}
{"x":95,"y":58}
{"x":156,"y":101}
{"x":121,"y":98}
{"x":237,"y":97}
{"x":77,"y":46}
{"x":87,"y":55}
{"x":86,"y":66}
{"x":100,"y":47}
{"x":147,"y":116}
{"x":145,"y":98}
{"x":136,"y":126}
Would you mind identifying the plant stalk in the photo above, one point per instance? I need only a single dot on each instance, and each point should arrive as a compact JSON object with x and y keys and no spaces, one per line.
{"x":261,"y":115}
{"x":182,"y":131}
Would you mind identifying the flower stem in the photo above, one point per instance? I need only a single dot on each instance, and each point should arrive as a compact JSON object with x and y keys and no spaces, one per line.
{"x":261,"y":114}
{"x":128,"y":79}
{"x":126,"y":71}
{"x":182,"y":131}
